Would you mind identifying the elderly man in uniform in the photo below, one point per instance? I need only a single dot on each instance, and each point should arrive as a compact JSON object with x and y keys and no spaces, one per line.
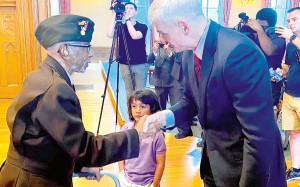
{"x":48,"y":138}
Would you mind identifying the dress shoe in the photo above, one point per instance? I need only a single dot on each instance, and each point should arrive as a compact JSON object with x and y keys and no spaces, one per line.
{"x":200,"y":143}
{"x":194,"y":121}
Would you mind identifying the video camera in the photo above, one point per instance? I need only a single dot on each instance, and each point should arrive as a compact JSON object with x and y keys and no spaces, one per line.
{"x":271,"y":31}
{"x":243,"y":17}
{"x":243,"y":28}
{"x":119,"y":6}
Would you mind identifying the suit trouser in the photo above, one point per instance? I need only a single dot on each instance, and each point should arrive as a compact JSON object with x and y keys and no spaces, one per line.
{"x":174,"y":93}
{"x":164,"y":92}
{"x":208,"y":178}
{"x":276,"y":92}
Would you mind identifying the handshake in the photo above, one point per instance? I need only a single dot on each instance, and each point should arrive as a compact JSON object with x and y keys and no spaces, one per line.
{"x":152,"y":123}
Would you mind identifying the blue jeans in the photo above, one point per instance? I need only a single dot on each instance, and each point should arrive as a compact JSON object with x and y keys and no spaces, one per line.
{"x":139,"y":71}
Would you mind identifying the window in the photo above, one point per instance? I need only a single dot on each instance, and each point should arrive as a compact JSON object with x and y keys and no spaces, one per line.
{"x":281,"y":7}
{"x":54,"y":7}
{"x":211,"y":9}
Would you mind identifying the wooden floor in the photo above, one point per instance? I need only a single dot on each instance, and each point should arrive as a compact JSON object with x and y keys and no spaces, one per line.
{"x":182,"y":170}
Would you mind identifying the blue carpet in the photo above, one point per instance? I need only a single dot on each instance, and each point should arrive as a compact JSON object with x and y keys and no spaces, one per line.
{"x":196,"y":153}
{"x":112,"y":83}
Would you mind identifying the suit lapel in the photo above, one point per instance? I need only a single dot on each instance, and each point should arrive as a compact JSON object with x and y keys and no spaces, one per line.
{"x":206,"y":67}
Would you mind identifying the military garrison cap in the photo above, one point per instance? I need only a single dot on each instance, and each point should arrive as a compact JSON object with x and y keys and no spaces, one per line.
{"x":64,"y":28}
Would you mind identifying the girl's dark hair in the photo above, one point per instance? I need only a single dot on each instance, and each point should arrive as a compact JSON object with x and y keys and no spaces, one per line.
{"x":147,"y":97}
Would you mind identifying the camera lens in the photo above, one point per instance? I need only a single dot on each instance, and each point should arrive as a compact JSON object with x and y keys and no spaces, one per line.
{"x":119,"y":8}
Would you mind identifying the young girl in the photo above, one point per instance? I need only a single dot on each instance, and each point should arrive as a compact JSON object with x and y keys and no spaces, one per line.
{"x":147,"y":169}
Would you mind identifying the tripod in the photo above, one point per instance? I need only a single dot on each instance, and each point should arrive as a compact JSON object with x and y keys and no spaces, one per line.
{"x":118,"y":31}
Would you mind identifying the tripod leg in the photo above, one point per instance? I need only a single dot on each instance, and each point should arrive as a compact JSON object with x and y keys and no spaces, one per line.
{"x":117,"y":99}
{"x":115,"y":40}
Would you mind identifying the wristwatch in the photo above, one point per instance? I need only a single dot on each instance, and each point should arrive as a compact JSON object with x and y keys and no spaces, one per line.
{"x":127,"y":19}
{"x":293,"y":37}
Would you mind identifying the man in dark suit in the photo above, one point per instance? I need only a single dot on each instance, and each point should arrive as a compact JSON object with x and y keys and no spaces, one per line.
{"x":166,"y":86}
{"x":48,"y":139}
{"x":162,"y":57}
{"x":229,"y":90}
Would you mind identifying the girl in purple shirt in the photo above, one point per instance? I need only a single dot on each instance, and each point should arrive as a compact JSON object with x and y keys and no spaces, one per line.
{"x":147,"y":169}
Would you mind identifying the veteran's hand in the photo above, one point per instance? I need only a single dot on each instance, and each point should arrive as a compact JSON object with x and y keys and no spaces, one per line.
{"x":95,"y":170}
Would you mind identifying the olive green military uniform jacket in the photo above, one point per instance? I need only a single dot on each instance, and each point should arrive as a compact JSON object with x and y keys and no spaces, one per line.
{"x":48,"y":138}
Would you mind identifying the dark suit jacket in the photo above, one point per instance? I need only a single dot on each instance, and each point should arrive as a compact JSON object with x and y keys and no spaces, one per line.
{"x":233,"y":101}
{"x":177,"y":67}
{"x":163,"y":67}
{"x":48,"y":136}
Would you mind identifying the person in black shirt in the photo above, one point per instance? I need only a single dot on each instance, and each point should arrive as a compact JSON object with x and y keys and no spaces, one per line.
{"x":271,"y":45}
{"x":291,"y":97}
{"x":134,"y":72}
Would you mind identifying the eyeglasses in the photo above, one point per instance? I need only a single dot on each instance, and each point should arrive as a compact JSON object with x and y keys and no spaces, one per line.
{"x":297,"y":55}
{"x":88,"y":46}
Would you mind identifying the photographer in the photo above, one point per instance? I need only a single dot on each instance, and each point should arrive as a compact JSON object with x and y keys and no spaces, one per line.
{"x":271,"y":44}
{"x":134,"y":72}
{"x":166,"y":86}
{"x":163,"y":59}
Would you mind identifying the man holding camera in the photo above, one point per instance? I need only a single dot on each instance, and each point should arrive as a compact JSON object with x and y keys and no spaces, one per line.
{"x":271,"y":44}
{"x":163,"y":59}
{"x":131,"y":49}
{"x":166,"y":86}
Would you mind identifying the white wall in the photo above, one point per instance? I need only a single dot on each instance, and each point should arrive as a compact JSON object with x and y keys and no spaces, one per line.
{"x":98,"y":11}
{"x":54,"y":10}
{"x":238,"y":7}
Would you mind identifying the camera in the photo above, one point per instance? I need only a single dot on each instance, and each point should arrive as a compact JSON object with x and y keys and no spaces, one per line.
{"x":119,"y":6}
{"x":243,"y":17}
{"x":271,"y":31}
{"x":243,"y":28}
